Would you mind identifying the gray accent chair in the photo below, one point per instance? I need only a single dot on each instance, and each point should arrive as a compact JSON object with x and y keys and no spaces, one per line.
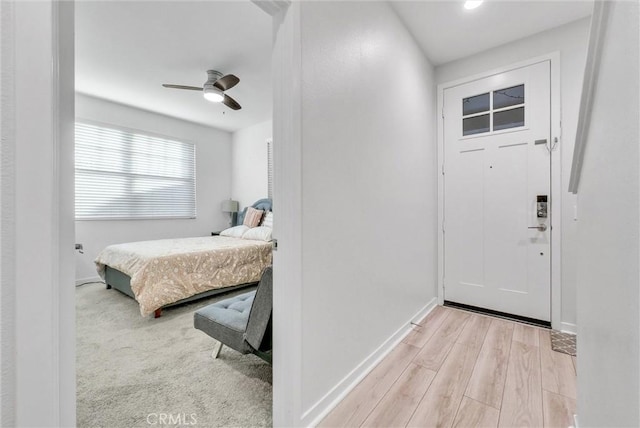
{"x":242,"y":322}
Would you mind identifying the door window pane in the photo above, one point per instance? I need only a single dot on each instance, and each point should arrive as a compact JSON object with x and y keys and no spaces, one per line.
{"x":508,"y":119}
{"x":475,"y":104}
{"x":475,"y":125}
{"x":508,"y":97}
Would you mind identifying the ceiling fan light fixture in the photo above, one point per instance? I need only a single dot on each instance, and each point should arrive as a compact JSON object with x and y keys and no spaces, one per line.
{"x":472,"y":4}
{"x":213,"y":94}
{"x":214,"y":88}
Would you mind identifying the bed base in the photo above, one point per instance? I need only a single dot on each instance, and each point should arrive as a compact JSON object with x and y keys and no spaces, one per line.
{"x":122,"y":282}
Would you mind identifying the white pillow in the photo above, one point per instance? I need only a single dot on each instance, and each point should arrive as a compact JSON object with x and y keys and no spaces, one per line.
{"x":267,"y":220}
{"x":235,"y":231}
{"x":259,"y":233}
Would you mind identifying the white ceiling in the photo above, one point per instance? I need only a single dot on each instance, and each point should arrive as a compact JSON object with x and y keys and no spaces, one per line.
{"x":446,"y":31}
{"x":125,"y":50}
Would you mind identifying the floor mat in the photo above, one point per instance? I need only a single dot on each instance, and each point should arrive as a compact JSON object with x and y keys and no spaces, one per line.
{"x":563,"y":342}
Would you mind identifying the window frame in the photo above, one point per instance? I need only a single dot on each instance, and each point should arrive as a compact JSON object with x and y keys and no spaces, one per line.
{"x":270,"y":168}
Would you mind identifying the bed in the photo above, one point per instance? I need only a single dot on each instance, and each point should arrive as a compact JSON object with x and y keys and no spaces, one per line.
{"x":163,"y":273}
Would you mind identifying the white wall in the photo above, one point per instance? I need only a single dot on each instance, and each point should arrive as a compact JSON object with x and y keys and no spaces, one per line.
{"x":608,"y":234}
{"x":249,"y":163}
{"x":571,"y":41}
{"x":369,"y":187}
{"x":213,"y":182}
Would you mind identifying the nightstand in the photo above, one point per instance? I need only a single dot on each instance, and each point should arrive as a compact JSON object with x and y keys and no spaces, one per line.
{"x":216,"y":233}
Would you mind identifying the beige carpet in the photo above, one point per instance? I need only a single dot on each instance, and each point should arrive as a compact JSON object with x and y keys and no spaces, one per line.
{"x":132,"y":371}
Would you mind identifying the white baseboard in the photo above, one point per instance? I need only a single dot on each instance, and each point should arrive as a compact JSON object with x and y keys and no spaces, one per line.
{"x":90,"y":279}
{"x":567,"y":327}
{"x":321,"y":409}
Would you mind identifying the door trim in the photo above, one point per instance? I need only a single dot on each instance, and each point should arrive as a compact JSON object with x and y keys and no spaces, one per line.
{"x":38,"y":330}
{"x":556,"y":176}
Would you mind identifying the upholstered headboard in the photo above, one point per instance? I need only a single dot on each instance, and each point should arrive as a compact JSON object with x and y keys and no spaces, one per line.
{"x":260,"y":204}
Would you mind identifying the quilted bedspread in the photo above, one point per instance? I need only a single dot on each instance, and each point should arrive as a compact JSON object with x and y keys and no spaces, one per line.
{"x":167,"y":270}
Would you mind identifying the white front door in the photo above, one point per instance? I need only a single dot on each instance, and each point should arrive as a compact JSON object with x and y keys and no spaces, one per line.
{"x":497,"y":168}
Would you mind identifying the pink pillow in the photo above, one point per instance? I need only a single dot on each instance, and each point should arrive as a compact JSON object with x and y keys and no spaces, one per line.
{"x":253,"y":217}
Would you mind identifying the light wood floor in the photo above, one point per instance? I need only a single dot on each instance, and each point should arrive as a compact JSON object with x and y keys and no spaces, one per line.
{"x":465,"y":370}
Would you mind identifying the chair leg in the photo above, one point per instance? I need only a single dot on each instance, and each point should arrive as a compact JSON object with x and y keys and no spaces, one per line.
{"x":216,"y":350}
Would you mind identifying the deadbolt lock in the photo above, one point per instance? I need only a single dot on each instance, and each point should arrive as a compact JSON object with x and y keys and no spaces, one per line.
{"x":541,"y":206}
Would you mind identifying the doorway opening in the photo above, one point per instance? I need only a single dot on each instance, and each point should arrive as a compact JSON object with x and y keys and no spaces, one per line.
{"x":212,"y":158}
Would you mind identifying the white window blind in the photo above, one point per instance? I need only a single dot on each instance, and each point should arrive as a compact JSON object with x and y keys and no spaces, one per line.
{"x":122,"y":174}
{"x":270,"y":169}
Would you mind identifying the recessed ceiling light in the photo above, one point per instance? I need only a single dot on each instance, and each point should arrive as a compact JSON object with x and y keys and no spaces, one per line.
{"x":472,"y":4}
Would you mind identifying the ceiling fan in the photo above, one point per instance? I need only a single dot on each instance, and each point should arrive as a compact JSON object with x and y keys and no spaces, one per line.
{"x":214,"y":88}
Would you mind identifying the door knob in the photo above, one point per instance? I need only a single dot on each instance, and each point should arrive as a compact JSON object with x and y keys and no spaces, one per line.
{"x":541,"y":227}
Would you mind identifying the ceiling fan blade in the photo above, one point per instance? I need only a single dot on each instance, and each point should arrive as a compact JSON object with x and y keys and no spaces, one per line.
{"x":226,"y":82}
{"x":230,"y":102}
{"x":191,"y":88}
